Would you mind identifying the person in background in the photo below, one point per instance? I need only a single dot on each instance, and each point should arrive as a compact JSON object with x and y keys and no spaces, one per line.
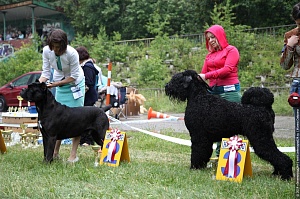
{"x":8,"y":36}
{"x":91,"y":81}
{"x":220,"y":67}
{"x":20,"y":35}
{"x":67,"y":76}
{"x":44,"y":38}
{"x":99,"y":81}
{"x":291,"y":51}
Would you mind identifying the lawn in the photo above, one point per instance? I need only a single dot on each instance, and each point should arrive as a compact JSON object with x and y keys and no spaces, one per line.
{"x":158,"y":169}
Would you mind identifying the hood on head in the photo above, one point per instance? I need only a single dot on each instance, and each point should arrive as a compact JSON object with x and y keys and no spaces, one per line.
{"x":220,"y":34}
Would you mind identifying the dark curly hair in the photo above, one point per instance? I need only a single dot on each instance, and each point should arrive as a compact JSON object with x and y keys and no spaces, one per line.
{"x":296,"y":12}
{"x":83,"y":53}
{"x":58,"y":36}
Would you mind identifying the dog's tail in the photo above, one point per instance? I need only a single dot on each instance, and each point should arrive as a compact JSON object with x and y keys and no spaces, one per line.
{"x":106,"y":108}
{"x":258,"y":97}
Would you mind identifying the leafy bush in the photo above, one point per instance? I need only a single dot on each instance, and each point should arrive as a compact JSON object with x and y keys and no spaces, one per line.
{"x":152,"y":72}
{"x":24,"y":60}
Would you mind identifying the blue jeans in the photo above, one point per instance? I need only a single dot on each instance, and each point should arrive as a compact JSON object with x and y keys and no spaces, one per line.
{"x":295,"y":85}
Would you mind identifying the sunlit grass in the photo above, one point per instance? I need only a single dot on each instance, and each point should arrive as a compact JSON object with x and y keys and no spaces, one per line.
{"x":158,"y":169}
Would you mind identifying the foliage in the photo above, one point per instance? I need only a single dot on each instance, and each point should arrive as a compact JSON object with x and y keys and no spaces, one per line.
{"x":135,"y":19}
{"x":157,"y":24}
{"x":132,"y":18}
{"x":281,"y":105}
{"x":152,"y":72}
{"x":24,"y":60}
{"x":259,"y":59}
{"x":261,"y":13}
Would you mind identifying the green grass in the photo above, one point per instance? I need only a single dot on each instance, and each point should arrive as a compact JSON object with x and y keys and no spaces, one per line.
{"x":158,"y":169}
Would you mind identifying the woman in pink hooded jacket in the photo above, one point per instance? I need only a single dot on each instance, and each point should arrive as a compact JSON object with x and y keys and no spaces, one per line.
{"x":220,"y":67}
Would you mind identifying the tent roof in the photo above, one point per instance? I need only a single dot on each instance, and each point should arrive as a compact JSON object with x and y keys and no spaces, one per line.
{"x":23,"y":10}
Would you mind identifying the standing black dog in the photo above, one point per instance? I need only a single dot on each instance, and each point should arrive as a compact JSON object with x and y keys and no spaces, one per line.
{"x":210,"y":118}
{"x":59,"y":122}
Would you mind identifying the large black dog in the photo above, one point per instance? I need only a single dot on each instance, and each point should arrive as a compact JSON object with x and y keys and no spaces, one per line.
{"x":59,"y":122}
{"x":210,"y":118}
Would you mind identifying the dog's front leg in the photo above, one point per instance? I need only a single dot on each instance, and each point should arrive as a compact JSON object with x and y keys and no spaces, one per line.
{"x":50,"y":149}
{"x":45,"y":142}
{"x":201,"y":152}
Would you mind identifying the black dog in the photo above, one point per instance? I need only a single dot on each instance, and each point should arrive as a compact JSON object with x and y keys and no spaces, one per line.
{"x":210,"y":118}
{"x":59,"y":122}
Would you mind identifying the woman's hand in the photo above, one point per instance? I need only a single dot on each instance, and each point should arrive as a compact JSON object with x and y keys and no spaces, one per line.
{"x":293,"y":41}
{"x":53,"y":84}
{"x":202,"y":76}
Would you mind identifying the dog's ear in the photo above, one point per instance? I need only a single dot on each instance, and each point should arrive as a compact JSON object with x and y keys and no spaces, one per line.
{"x":187,"y":80}
{"x":44,"y":85}
{"x":37,"y":80}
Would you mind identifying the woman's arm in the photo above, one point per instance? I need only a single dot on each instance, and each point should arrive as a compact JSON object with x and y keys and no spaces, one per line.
{"x":230,"y":65}
{"x":286,"y":60}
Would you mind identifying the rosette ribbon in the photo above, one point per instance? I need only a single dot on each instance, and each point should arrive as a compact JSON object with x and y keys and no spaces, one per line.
{"x":234,"y":144}
{"x":115,"y":135}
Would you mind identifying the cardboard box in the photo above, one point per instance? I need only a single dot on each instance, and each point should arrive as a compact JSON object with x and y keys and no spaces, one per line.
{"x":132,"y":109}
{"x":19,"y":120}
{"x":19,"y":130}
{"x":129,"y":89}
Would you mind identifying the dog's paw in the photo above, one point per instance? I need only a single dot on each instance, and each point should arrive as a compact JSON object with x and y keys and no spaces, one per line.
{"x":275,"y":173}
{"x":47,"y":161}
{"x":198,"y":166}
{"x":286,"y":177}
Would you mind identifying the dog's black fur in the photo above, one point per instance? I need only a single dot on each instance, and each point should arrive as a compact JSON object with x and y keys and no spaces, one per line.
{"x":210,"y":118}
{"x":59,"y":122}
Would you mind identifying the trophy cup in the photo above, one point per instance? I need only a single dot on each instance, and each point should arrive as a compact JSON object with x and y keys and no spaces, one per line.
{"x":20,"y":103}
{"x":23,"y":140}
{"x":23,"y":127}
{"x":97,"y":152}
{"x":29,"y":140}
{"x":7,"y":137}
{"x":35,"y":143}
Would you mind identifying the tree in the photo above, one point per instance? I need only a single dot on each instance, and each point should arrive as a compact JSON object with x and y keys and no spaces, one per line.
{"x":262,"y":13}
{"x":132,"y":18}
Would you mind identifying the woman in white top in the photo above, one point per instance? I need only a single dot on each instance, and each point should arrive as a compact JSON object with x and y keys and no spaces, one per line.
{"x":68,"y":78}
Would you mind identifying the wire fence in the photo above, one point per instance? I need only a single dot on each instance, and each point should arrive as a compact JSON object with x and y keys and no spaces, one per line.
{"x":274,"y":31}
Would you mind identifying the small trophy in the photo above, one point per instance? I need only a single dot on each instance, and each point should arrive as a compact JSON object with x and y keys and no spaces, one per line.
{"x":97,"y":151}
{"x":23,"y":140}
{"x":20,"y":103}
{"x":23,"y":127}
{"x":7,"y":137}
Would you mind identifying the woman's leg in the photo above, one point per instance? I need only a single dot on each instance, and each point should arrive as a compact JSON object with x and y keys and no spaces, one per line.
{"x":73,"y":154}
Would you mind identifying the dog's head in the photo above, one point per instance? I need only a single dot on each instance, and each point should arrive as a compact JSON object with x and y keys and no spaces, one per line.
{"x":184,"y":84}
{"x":35,"y":92}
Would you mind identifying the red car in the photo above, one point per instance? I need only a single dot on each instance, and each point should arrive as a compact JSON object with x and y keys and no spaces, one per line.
{"x":10,"y":91}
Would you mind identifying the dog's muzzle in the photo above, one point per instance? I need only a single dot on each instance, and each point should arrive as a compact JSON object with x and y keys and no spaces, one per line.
{"x":23,"y":94}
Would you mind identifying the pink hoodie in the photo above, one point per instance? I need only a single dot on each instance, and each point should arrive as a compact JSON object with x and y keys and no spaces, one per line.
{"x":221,"y":67}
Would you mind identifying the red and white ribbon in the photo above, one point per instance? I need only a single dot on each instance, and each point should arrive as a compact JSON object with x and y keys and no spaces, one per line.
{"x":115,"y":135}
{"x":234,"y":144}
